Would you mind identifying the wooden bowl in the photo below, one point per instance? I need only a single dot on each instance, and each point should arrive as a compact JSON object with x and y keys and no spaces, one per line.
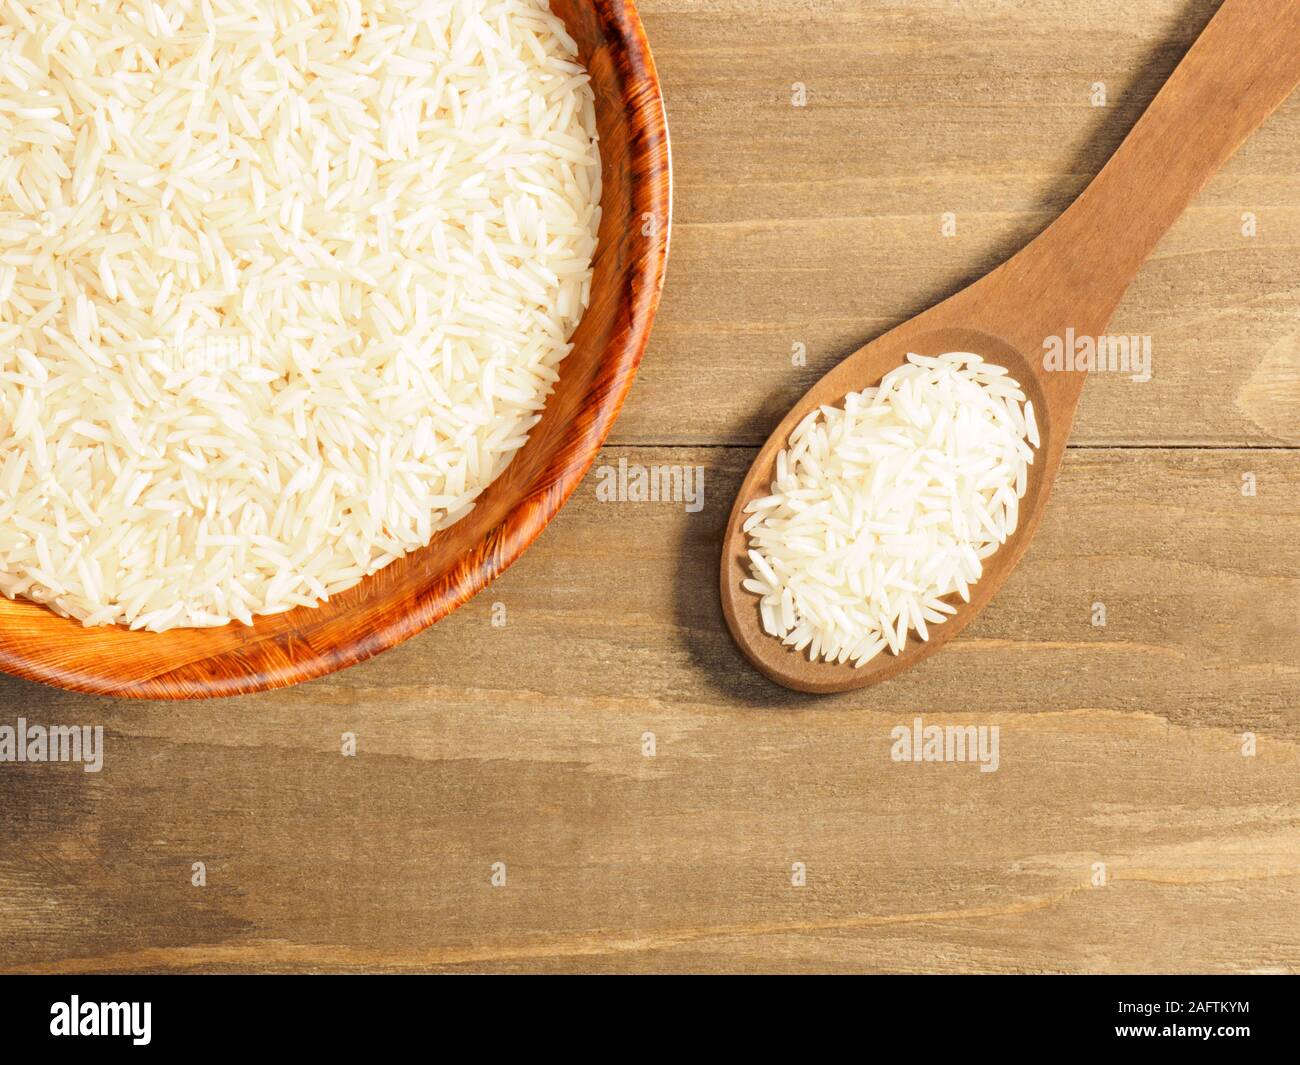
{"x":415,"y":591}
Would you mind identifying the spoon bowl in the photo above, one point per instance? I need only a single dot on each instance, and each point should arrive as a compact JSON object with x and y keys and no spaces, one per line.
{"x":1065,"y":283}
{"x":863,"y":369}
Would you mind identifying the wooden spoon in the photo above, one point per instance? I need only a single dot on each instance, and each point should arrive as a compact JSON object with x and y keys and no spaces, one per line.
{"x":1071,"y":277}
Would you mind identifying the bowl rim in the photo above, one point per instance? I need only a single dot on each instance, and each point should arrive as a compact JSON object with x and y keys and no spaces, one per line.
{"x":650,"y":192}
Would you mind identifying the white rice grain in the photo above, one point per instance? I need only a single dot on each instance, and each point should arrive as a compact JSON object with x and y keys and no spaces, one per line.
{"x":888,"y":503}
{"x":279,"y":295}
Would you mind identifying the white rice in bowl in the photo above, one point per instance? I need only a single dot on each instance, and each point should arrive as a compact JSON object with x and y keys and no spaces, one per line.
{"x":283,"y":287}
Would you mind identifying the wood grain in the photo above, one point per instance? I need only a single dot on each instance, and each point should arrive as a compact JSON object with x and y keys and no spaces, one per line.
{"x":1120,"y":744}
{"x":418,"y":589}
{"x":821,"y":225}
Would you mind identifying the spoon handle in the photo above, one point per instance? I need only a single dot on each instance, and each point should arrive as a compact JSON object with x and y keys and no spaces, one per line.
{"x":1244,"y":64}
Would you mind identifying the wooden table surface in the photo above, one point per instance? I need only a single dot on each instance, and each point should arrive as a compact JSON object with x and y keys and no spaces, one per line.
{"x":644,"y":794}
